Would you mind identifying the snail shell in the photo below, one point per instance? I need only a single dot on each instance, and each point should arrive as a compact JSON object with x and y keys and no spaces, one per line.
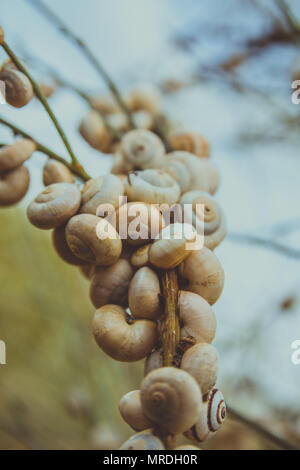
{"x":154,"y":361}
{"x":18,"y":89}
{"x":211,"y":216}
{"x":94,"y":131}
{"x":14,"y":155}
{"x":197,"y":317}
{"x":62,"y":248}
{"x":13,"y":186}
{"x":144,"y":97}
{"x":187,"y":447}
{"x":190,"y":142}
{"x":152,"y":186}
{"x":141,"y":149}
{"x":212,"y":415}
{"x":105,"y":104}
{"x":131,"y":411}
{"x":144,"y":440}
{"x":106,"y":189}
{"x":56,"y":172}
{"x":143,"y":295}
{"x":140,"y":257}
{"x":171,"y":398}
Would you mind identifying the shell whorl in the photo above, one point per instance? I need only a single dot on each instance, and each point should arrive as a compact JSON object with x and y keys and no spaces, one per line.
{"x":216,"y":410}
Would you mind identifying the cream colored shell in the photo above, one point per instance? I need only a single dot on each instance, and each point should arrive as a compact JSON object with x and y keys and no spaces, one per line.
{"x":140,"y":257}
{"x":143,"y":295}
{"x":144,"y":440}
{"x":99,"y":191}
{"x":15,"y":154}
{"x":56,"y":172}
{"x":131,"y":411}
{"x":18,"y":89}
{"x":13,"y":186}
{"x":93,"y":129}
{"x":152,"y":186}
{"x":192,"y":142}
{"x":141,"y":149}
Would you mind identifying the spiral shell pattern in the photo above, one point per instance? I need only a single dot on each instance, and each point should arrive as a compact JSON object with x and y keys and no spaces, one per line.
{"x":191,"y":142}
{"x":142,"y":149}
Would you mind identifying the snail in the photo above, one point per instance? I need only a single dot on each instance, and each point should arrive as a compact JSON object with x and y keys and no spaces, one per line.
{"x":192,"y":142}
{"x":187,"y":447}
{"x":154,"y":361}
{"x":212,"y":415}
{"x":62,"y":248}
{"x":15,"y":154}
{"x":141,"y":149}
{"x":197,"y":317}
{"x":143,"y":295}
{"x":87,"y":270}
{"x":171,"y":398}
{"x":201,"y":362}
{"x":208,"y":212}
{"x":105,"y":104}
{"x":56,"y":172}
{"x":202,"y":273}
{"x":203,"y":173}
{"x":18,"y":89}
{"x":46,"y":89}
{"x":178,"y":171}
{"x":143,"y":120}
{"x":93,"y":240}
{"x":144,"y":97}
{"x":13,"y":186}
{"x":172,"y":247}
{"x":140,"y":257}
{"x":54,"y":206}
{"x":122,"y":338}
{"x":144,"y":440}
{"x":93,"y":129}
{"x":131,"y":411}
{"x":106,"y":189}
{"x":110,"y":284}
{"x":152,"y":186}
{"x":138,"y":222}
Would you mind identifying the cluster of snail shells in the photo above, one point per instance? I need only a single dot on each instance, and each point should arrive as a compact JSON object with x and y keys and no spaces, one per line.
{"x":18,"y":89}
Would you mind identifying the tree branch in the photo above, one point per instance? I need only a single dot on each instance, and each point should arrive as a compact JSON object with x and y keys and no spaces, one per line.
{"x":265,"y":243}
{"x":170,"y":329}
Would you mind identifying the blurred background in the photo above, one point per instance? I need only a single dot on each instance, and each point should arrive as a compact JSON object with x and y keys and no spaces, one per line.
{"x":223,"y":69}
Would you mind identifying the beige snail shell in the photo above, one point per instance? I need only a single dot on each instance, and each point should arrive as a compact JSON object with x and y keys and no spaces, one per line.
{"x":187,"y":447}
{"x":131,"y":411}
{"x":106,"y":189}
{"x":141,"y":149}
{"x":197,"y":317}
{"x":18,"y":89}
{"x":144,"y":98}
{"x":192,"y":142}
{"x":62,"y":248}
{"x":13,"y":186}
{"x":15,"y":154}
{"x":87,"y":270}
{"x":143,"y":295}
{"x":110,"y":284}
{"x":105,"y":104}
{"x":144,"y":440}
{"x":56,"y":172}
{"x":122,"y":340}
{"x":206,"y":212}
{"x":140,"y":257}
{"x":201,"y":362}
{"x":93,"y":129}
{"x":171,"y":398}
{"x":178,"y":171}
{"x":54,"y":206}
{"x":154,"y":361}
{"x":212,"y":415}
{"x":202,"y":273}
{"x":152,"y":186}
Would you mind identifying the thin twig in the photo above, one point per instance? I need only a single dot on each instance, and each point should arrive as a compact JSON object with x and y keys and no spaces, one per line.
{"x":170,"y":329}
{"x":263,"y":432}
{"x":270,"y":244}
{"x":76,"y":169}
{"x":42,"y":99}
{"x":289,"y":17}
{"x":61,"y":26}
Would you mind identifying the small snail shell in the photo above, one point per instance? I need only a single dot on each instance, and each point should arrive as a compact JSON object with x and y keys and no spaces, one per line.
{"x":94,"y":240}
{"x":94,"y":131}
{"x":141,"y":149}
{"x":187,"y":447}
{"x":62,"y":248}
{"x":118,"y":166}
{"x":13,"y":186}
{"x":152,"y":186}
{"x":1,"y":35}
{"x":204,"y":175}
{"x":201,"y":362}
{"x":154,"y":361}
{"x":118,"y":121}
{"x":203,"y":274}
{"x":143,"y":120}
{"x":56,"y":172}
{"x":54,"y":206}
{"x":105,"y":104}
{"x":190,"y":142}
{"x":106,"y":189}
{"x":140,"y":257}
{"x":144,"y":440}
{"x":211,"y":216}
{"x":171,"y":398}
{"x":145,"y":98}
{"x":143,"y":295}
{"x":131,"y":411}
{"x":18,"y":89}
{"x":110,"y":284}
{"x":46,"y":89}
{"x":178,"y":171}
{"x":172,"y":247}
{"x":14,"y":155}
{"x":197,"y":317}
{"x":121,"y":340}
{"x":138,"y":222}
{"x":87,"y":270}
{"x":212,"y":415}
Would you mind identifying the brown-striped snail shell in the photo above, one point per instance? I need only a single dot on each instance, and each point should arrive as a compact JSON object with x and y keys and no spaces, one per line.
{"x":93,"y":240}
{"x":141,"y":149}
{"x":201,"y":362}
{"x":207,"y":214}
{"x":131,"y":411}
{"x":202,"y":273}
{"x":143,"y":295}
{"x":110,"y":284}
{"x":212,"y":415}
{"x":18,"y":89}
{"x":14,"y":185}
{"x":106,"y":189}
{"x":54,"y":206}
{"x":62,"y":248}
{"x":152,"y":186}
{"x":56,"y":172}
{"x":171,"y":398}
{"x":192,"y":142}
{"x":121,"y":339}
{"x":144,"y":440}
{"x":140,"y":257}
{"x":15,"y":154}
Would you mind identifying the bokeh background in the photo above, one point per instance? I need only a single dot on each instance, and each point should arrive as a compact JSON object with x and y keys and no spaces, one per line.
{"x":224,"y":69}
